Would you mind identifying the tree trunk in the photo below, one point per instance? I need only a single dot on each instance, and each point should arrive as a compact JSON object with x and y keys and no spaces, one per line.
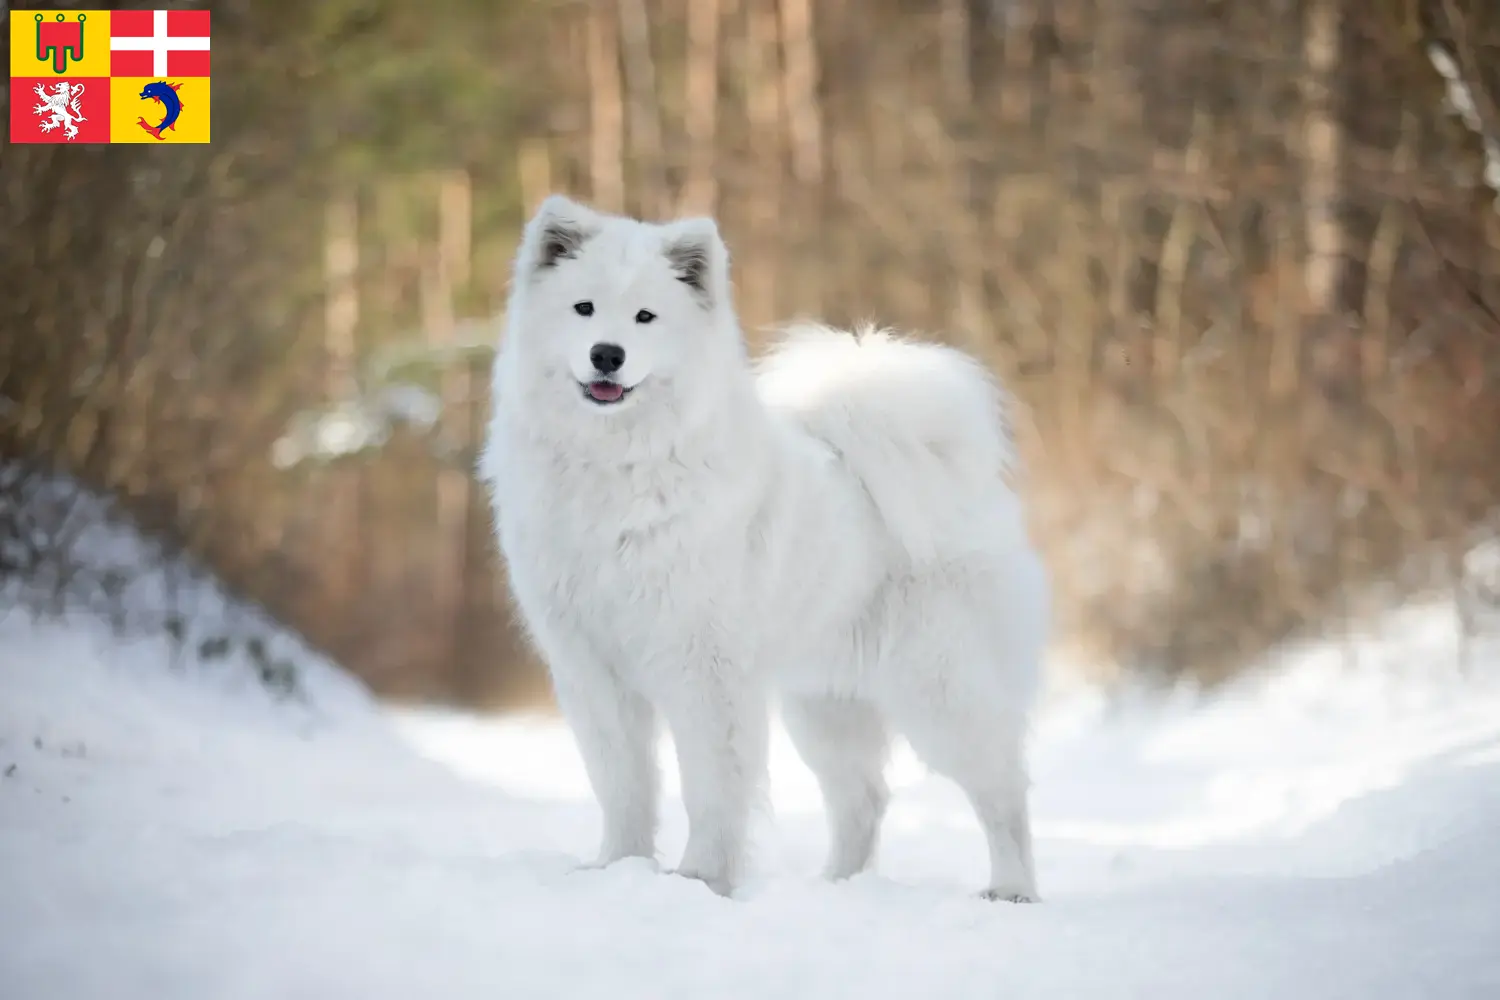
{"x":645,"y":116}
{"x":342,"y":522}
{"x":1322,"y":152}
{"x":607,"y":112}
{"x":445,"y":272}
{"x":700,"y":192}
{"x":801,"y":88}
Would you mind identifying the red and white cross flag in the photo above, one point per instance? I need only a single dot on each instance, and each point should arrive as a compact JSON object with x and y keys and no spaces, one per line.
{"x":158,"y":43}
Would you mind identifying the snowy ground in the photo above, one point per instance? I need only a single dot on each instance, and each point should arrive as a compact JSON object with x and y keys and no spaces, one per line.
{"x":175,"y":834}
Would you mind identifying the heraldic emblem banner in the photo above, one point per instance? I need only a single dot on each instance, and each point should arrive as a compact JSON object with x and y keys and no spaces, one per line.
{"x":86,"y":76}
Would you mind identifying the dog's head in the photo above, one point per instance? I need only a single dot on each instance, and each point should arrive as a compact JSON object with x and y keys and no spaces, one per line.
{"x":616,"y":314}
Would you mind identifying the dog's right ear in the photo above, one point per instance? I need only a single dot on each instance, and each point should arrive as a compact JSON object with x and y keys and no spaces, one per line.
{"x":556,"y":233}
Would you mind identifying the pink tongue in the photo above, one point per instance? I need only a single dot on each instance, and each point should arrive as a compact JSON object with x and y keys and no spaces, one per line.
{"x":606,"y":392}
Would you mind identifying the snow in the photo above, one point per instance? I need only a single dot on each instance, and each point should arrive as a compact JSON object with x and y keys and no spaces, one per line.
{"x":1320,"y":831}
{"x":74,"y":554}
{"x":171,"y":828}
{"x":354,"y":425}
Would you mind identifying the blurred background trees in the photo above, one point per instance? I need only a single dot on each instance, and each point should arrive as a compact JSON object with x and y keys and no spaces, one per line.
{"x":1240,"y":263}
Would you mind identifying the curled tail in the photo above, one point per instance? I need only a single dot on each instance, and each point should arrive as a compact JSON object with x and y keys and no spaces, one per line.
{"x":922,"y":427}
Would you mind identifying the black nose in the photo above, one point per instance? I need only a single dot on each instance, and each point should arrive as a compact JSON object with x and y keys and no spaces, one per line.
{"x":607,"y":358}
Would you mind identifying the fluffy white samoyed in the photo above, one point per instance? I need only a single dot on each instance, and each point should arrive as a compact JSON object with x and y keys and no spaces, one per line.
{"x":690,"y":535}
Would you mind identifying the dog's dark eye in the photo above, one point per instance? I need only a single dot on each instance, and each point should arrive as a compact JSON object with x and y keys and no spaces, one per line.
{"x":645,"y":316}
{"x":584,"y":308}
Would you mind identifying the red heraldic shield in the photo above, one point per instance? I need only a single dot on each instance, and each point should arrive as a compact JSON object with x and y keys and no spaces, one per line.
{"x":59,"y":41}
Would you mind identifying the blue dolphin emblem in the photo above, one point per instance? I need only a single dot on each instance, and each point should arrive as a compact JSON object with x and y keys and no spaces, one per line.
{"x":164,"y":94}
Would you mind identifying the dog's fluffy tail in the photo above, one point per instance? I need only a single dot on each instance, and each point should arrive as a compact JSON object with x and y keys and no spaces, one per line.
{"x":922,"y":427}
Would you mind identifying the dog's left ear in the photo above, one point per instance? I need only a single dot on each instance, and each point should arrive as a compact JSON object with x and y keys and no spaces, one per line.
{"x":699,"y":259}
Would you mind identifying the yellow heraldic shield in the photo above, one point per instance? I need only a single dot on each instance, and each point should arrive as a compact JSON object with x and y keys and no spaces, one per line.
{"x":59,"y":43}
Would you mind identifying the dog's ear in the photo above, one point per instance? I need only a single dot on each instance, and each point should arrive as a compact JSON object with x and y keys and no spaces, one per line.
{"x":699,"y":258}
{"x":556,"y":233}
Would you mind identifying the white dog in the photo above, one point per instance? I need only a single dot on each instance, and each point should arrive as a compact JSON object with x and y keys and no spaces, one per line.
{"x":687,"y":538}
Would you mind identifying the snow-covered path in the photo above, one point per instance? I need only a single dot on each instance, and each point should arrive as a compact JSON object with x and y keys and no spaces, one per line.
{"x":1323,"y":834}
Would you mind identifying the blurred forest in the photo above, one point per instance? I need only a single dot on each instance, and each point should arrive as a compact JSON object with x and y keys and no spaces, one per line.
{"x":1240,"y":262}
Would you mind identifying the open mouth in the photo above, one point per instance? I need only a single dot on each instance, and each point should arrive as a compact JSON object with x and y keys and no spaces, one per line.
{"x":605,"y":393}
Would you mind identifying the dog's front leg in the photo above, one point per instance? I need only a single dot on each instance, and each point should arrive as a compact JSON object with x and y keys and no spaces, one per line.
{"x":719,"y":722}
{"x":615,"y":729}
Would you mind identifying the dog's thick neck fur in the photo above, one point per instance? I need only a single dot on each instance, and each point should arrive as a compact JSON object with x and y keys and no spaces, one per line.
{"x":649,"y":462}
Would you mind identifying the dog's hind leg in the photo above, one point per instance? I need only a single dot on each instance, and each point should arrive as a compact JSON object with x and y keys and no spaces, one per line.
{"x":963,"y":669}
{"x":1000,"y":802}
{"x":844,"y":743}
{"x":959,"y":691}
{"x":973,"y":740}
{"x":615,"y":729}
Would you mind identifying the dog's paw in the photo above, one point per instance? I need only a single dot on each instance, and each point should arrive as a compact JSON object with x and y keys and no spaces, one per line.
{"x":601,"y":863}
{"x":718,"y":885}
{"x":1007,"y":896}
